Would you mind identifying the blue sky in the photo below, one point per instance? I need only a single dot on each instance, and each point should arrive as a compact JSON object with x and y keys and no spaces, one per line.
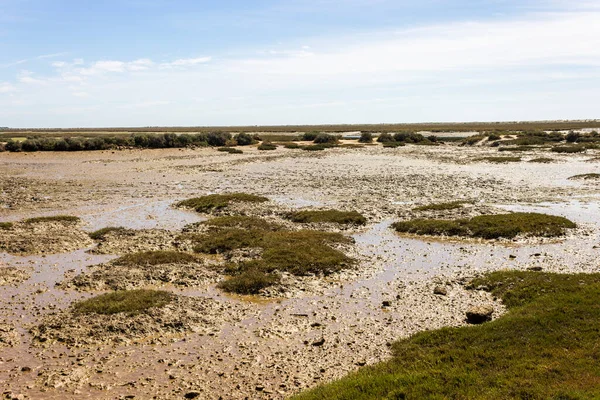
{"x":66,"y":63}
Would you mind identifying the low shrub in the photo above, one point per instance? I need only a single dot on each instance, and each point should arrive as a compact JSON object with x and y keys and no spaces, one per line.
{"x":490,"y":226}
{"x":393,"y":144}
{"x":230,"y":150}
{"x":568,"y":149}
{"x":385,"y":138}
{"x":499,"y":160}
{"x":267,"y":146}
{"x":441,"y":206}
{"x":212,"y":202}
{"x":131,"y":302}
{"x":101,"y":234}
{"x":55,"y":218}
{"x":155,"y":258}
{"x":249,"y":282}
{"x":366,"y":137}
{"x":6,"y":226}
{"x":323,"y":138}
{"x":291,"y":146}
{"x":244,"y":139}
{"x":543,"y":160}
{"x":310,"y":136}
{"x":330,"y":216}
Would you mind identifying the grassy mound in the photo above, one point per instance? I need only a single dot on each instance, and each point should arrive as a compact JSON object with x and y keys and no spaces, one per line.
{"x":128,"y":301}
{"x":499,"y":160}
{"x":230,"y":150}
{"x":543,"y":160}
{"x":568,"y":149}
{"x":440,"y":206}
{"x":301,"y":252}
{"x":249,"y":282}
{"x":242,"y":222}
{"x":585,"y":177}
{"x":5,"y":226}
{"x":545,"y":347}
{"x":213,"y":202}
{"x":333,"y":216}
{"x":267,"y":146}
{"x":55,"y":218}
{"x":155,"y":258}
{"x":490,"y":226}
{"x":100,"y":234}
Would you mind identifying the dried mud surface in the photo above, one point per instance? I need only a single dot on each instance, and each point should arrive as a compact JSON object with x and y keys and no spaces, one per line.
{"x":307,"y":330}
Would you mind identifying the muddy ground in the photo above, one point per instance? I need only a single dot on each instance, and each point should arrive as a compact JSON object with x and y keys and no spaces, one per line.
{"x":215,"y":345}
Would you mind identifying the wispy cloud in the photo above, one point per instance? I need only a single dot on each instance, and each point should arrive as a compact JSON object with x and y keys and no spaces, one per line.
{"x":185,"y":62}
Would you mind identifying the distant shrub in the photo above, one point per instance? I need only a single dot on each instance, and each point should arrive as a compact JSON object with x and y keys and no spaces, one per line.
{"x":393,"y":144}
{"x":217,"y":138}
{"x":244,"y":139}
{"x":267,"y":146}
{"x":568,"y":149}
{"x":231,"y":150}
{"x":55,"y":218}
{"x":324,"y":138}
{"x":13,"y":146}
{"x":493,"y":136}
{"x":385,"y":138}
{"x":572,"y":137}
{"x":101,"y":234}
{"x":291,"y":146}
{"x":310,"y":136}
{"x":366,"y":137}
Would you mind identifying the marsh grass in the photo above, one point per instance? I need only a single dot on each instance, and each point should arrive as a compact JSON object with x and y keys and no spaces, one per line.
{"x":242,"y":222}
{"x":327,"y":216}
{"x":267,"y":146}
{"x":542,"y":160}
{"x":441,"y":206}
{"x":490,"y":226}
{"x":155,"y":258}
{"x":518,"y":149}
{"x":544,"y":347}
{"x":230,"y":150}
{"x":211,"y":202}
{"x":291,"y":146}
{"x":6,"y":226}
{"x":131,"y":302}
{"x":585,"y":177}
{"x":55,"y":218}
{"x":249,"y":282}
{"x":101,"y":234}
{"x":393,"y":144}
{"x":568,"y":149}
{"x":499,"y":160}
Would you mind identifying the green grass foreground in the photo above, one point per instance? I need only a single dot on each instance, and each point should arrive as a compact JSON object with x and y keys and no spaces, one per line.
{"x":126,"y":301}
{"x":211,"y":202}
{"x":545,"y":347}
{"x":490,"y":226}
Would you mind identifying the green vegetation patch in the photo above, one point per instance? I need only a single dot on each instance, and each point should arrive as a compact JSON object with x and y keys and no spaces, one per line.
{"x":267,"y":146}
{"x":6,"y":226}
{"x":585,"y":177}
{"x":155,"y":258}
{"x":101,"y":234}
{"x":490,"y":226}
{"x":55,"y":218}
{"x":230,"y":150}
{"x":568,"y":149}
{"x":131,"y":302}
{"x":291,"y":146}
{"x":542,"y":160}
{"x":453,"y":205}
{"x":211,"y":202}
{"x":544,"y":347}
{"x":332,"y":216}
{"x":242,"y":222}
{"x":249,"y":282}
{"x":499,"y":160}
{"x":393,"y":144}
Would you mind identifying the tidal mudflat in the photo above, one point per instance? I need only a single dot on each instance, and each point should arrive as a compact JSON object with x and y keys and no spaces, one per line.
{"x":366,"y":285}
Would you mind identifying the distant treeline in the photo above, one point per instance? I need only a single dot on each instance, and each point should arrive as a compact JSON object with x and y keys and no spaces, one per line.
{"x":138,"y":140}
{"x":432,"y":127}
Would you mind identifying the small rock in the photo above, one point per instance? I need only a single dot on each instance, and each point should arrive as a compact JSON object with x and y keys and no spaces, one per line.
{"x":26,"y":369}
{"x":319,"y":342}
{"x":479,"y":314}
{"x":386,"y":303}
{"x":440,"y":290}
{"x":512,"y":256}
{"x":191,"y":395}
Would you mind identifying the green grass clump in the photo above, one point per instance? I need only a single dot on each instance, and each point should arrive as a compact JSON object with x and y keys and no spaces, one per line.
{"x":100,"y":234}
{"x":490,"y":226}
{"x":6,"y":226}
{"x":544,"y":347}
{"x":291,"y":146}
{"x":249,"y":282}
{"x":55,"y":218}
{"x":333,"y":216}
{"x":211,"y":202}
{"x":242,"y":222}
{"x":543,"y":160}
{"x":499,"y":160}
{"x":568,"y":149}
{"x":267,"y":146}
{"x":131,"y":302}
{"x":585,"y":177}
{"x":155,"y":258}
{"x":441,"y":206}
{"x":393,"y":144}
{"x":227,"y":239}
{"x":230,"y":150}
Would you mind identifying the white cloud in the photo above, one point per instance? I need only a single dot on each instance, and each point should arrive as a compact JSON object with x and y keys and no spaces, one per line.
{"x":186,"y":62}
{"x":27,"y":78}
{"x":6,"y":87}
